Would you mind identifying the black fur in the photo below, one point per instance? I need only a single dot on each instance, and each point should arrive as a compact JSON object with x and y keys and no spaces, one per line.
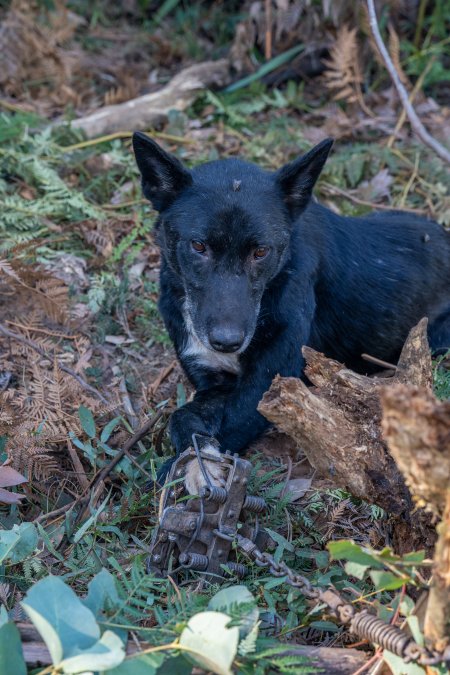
{"x":343,"y":286}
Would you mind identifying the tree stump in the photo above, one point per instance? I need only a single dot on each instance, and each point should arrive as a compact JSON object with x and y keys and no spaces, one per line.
{"x":337,"y":423}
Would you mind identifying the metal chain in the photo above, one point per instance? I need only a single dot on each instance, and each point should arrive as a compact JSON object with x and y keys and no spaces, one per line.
{"x":363,"y":624}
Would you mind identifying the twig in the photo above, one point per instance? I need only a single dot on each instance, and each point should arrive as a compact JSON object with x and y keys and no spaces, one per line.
{"x":332,"y":189}
{"x":34,"y":329}
{"x":101,"y":475}
{"x":125,"y":134}
{"x":19,"y":338}
{"x":414,"y":120}
{"x":378,"y":362}
{"x":77,"y":465}
{"x":165,"y":372}
{"x":127,"y":405}
{"x":413,"y":94}
{"x":268,"y":36}
{"x":376,"y":657}
{"x":140,"y":433}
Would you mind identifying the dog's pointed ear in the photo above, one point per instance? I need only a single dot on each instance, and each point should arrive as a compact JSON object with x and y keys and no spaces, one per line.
{"x":298,"y":178}
{"x":163,"y":175}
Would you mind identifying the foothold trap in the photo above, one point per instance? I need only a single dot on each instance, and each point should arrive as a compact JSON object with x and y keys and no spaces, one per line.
{"x":197,"y":532}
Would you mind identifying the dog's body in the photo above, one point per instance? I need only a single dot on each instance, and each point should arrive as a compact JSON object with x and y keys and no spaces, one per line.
{"x":253,"y":269}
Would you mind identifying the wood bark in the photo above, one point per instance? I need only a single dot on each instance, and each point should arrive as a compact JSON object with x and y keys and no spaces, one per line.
{"x":417,"y":429}
{"x":338,"y":425}
{"x":151,"y":110}
{"x":333,"y":661}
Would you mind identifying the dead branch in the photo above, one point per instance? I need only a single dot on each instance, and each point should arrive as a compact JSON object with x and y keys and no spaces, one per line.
{"x":414,"y":120}
{"x":96,"y":485}
{"x":338,"y":426}
{"x":332,"y":660}
{"x":151,"y":110}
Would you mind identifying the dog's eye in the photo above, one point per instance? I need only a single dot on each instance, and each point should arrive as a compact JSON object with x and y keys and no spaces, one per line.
{"x":198,"y":246}
{"x":260,"y":252}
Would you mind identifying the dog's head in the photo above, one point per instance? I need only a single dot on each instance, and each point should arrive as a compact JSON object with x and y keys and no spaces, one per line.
{"x":224,"y":229}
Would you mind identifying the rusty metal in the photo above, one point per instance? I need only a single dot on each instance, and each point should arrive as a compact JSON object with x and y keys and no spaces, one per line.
{"x":203,"y":533}
{"x":197,"y":532}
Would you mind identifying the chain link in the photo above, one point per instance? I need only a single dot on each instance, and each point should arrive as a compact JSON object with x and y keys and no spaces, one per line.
{"x":363,"y":624}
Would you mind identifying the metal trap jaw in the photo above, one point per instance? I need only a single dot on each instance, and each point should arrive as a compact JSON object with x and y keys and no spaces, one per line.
{"x":197,"y":532}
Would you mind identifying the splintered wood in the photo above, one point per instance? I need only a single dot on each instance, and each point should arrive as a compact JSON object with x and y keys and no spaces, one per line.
{"x":417,"y":429}
{"x":386,"y":440}
{"x":338,"y":426}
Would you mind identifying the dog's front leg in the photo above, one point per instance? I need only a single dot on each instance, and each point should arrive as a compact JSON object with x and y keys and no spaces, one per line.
{"x":230,"y":415}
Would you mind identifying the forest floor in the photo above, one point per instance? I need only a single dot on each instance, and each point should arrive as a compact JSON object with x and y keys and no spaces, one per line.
{"x":79,"y":285}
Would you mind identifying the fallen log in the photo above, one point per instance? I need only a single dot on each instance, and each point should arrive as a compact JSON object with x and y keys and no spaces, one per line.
{"x":331,"y":660}
{"x":151,"y":110}
{"x":338,"y":426}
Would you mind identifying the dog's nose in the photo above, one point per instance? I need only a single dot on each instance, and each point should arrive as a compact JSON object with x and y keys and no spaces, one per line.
{"x":226,"y":339}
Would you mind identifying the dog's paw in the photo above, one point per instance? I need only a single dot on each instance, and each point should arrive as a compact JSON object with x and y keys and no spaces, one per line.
{"x":194,"y":478}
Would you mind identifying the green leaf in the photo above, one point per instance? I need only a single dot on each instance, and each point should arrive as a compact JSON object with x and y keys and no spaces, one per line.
{"x":11,"y":656}
{"x":8,"y":539}
{"x":107,"y":431}
{"x":18,"y":543}
{"x":399,"y":667}
{"x":387,"y":581}
{"x":413,"y":623}
{"x":355,"y":569}
{"x":102,"y":593}
{"x":209,"y":643}
{"x":62,"y":620}
{"x":90,"y":521}
{"x":108,"y":652}
{"x":228,"y":598}
{"x":4,"y":618}
{"x":87,"y":421}
{"x":414,"y":557}
{"x":274,"y":63}
{"x":346,"y":549}
{"x":144,"y":664}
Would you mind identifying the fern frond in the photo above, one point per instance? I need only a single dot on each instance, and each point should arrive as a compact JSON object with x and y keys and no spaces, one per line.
{"x":342,"y":75}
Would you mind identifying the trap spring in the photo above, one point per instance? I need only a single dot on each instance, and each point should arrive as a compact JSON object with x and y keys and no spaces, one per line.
{"x":204,"y":533}
{"x":197,"y":532}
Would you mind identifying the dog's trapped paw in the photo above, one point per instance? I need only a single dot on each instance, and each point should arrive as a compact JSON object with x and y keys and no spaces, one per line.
{"x":195,"y":480}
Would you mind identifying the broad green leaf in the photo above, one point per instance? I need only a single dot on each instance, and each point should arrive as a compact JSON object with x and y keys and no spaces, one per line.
{"x":209,"y":643}
{"x":414,"y":557}
{"x":102,"y":593}
{"x":87,"y":421}
{"x":399,"y":667}
{"x":4,"y":618}
{"x":18,"y":543}
{"x":62,"y":620}
{"x":144,"y":664}
{"x":233,"y":596}
{"x":11,"y":656}
{"x":348,"y":550}
{"x":414,"y":627}
{"x":355,"y":569}
{"x":386,"y":580}
{"x":108,"y":652}
{"x":27,"y":542}
{"x":8,"y":539}
{"x":107,"y":431}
